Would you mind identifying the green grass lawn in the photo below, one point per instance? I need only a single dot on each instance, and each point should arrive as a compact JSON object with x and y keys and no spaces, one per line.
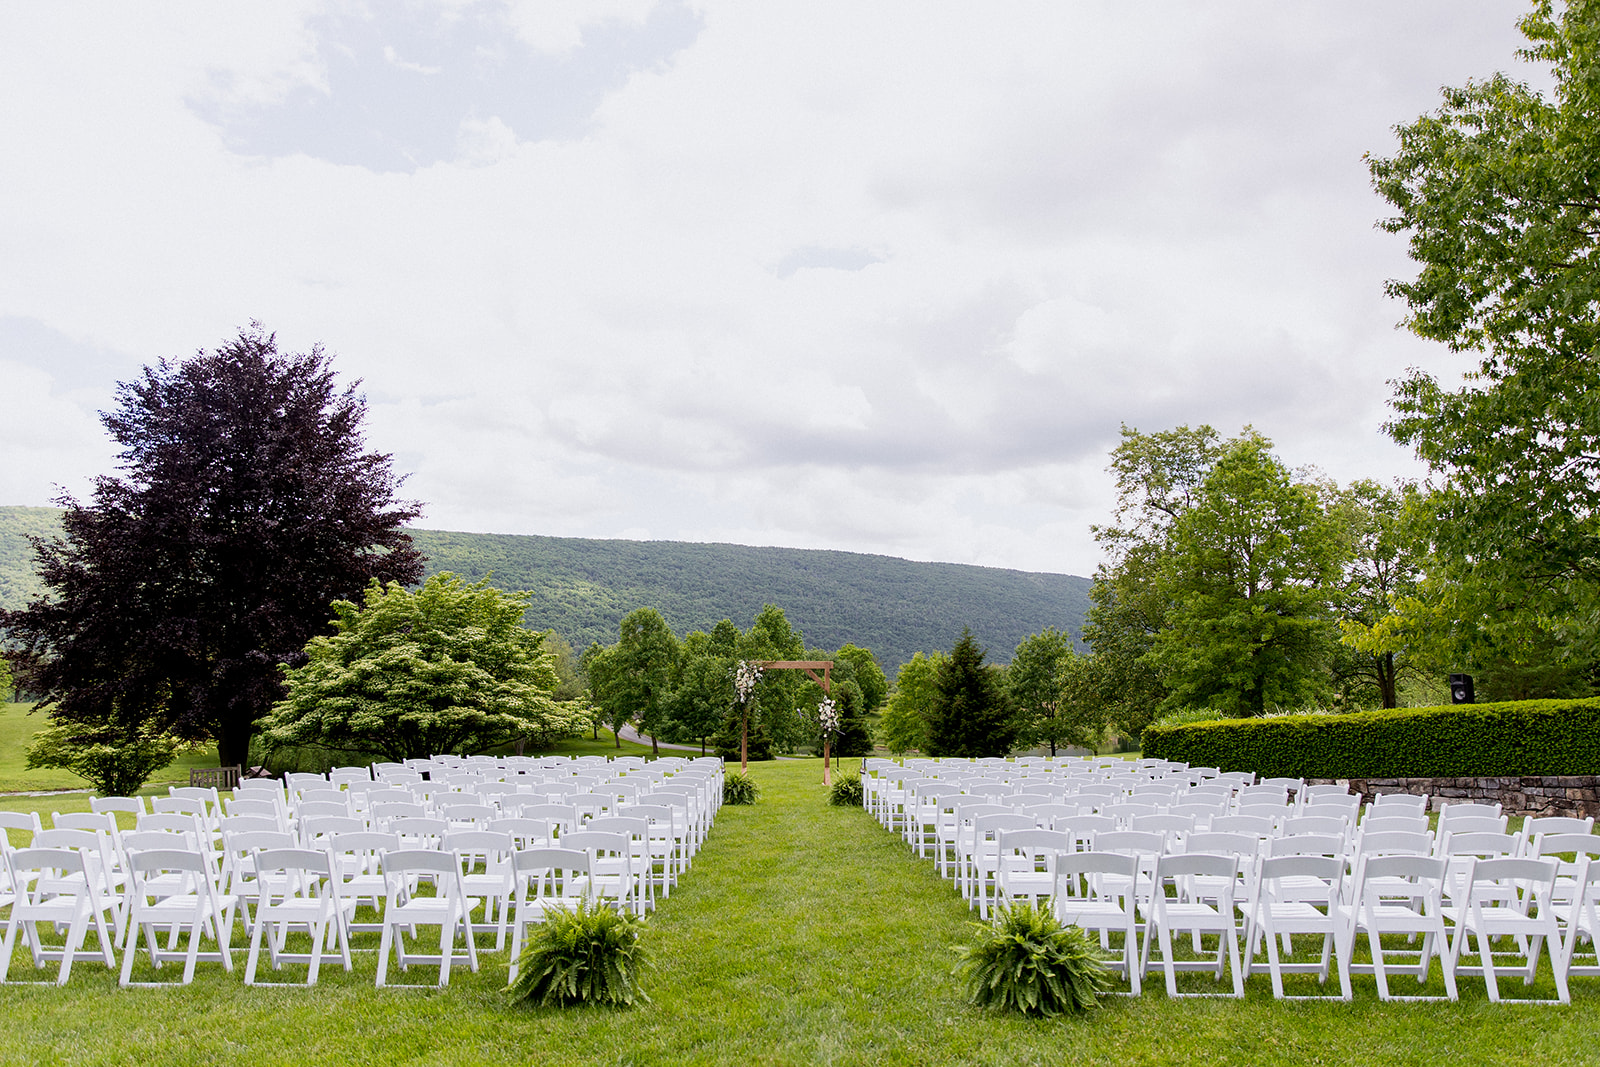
{"x":804,"y":934}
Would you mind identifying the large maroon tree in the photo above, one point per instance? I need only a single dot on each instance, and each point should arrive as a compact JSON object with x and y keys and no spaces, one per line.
{"x":246,"y":504}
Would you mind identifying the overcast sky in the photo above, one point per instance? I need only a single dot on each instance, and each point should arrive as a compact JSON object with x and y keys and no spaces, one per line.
{"x":884,"y":277}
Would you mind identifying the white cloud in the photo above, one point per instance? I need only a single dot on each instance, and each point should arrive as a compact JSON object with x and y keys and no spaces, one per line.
{"x":884,"y":278}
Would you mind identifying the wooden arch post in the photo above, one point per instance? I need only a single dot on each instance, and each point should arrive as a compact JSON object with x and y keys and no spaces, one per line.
{"x":811,"y":667}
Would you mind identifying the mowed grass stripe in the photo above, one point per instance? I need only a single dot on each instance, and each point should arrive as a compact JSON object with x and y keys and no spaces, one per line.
{"x":804,"y":934}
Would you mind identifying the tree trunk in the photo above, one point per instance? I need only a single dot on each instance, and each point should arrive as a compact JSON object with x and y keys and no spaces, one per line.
{"x":233,"y":746}
{"x":655,"y":749}
{"x":1387,"y":689}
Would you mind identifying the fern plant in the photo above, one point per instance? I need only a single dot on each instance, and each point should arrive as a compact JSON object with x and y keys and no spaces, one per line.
{"x":1028,"y":961}
{"x":739,"y":788}
{"x":846,"y":791}
{"x":590,"y":954}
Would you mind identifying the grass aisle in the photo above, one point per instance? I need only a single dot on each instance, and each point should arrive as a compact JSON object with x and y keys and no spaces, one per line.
{"x":803,"y":935}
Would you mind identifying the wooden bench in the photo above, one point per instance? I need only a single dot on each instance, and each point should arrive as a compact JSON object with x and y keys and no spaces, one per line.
{"x":216,"y":777}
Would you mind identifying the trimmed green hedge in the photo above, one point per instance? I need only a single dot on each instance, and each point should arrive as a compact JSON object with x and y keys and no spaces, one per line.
{"x":1525,"y":737}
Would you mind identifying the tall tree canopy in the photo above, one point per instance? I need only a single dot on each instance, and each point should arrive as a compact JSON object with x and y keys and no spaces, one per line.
{"x":1498,"y":192}
{"x":632,"y":679}
{"x":447,"y":668}
{"x":247,"y":504}
{"x":1250,"y":570}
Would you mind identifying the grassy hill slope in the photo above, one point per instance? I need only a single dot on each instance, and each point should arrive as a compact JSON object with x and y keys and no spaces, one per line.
{"x":582,"y":588}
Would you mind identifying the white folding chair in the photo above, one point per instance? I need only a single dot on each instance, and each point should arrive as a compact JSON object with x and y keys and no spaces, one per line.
{"x":1082,"y":899}
{"x":611,"y":870}
{"x":1166,"y":915}
{"x":1027,"y":868}
{"x":491,"y":851}
{"x":54,"y":886}
{"x":449,"y":908}
{"x":1298,"y":894}
{"x":297,"y":887}
{"x":202,"y":910}
{"x":1399,"y":894}
{"x":1514,"y":896}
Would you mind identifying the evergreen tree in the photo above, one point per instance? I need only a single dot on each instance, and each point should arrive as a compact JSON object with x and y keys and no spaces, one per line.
{"x":971,"y":715}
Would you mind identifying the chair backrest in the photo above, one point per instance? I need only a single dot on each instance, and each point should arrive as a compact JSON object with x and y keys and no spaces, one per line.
{"x":1168,"y":823}
{"x":418,"y":861}
{"x":150,"y":861}
{"x":1420,"y":869}
{"x":1537,"y":876}
{"x":1076,"y":864}
{"x":83,"y":820}
{"x":489,"y":843}
{"x":179,"y":806}
{"x":1306,"y":845}
{"x":1395,"y":843}
{"x":131,"y":805}
{"x":1451,"y":809}
{"x":1224,"y":844}
{"x":1473,"y":824}
{"x":1398,"y":801}
{"x":1199,"y":864}
{"x":551,"y":871}
{"x":1034,"y":841}
{"x":1133,"y":842}
{"x":238,"y":824}
{"x":1315,"y":824}
{"x":1243,"y":824}
{"x":1555,"y":824}
{"x":1574,"y":844}
{"x":597,"y":842}
{"x":1484,"y":845}
{"x":306,"y":860}
{"x":1328,"y":870}
{"x":169,"y":840}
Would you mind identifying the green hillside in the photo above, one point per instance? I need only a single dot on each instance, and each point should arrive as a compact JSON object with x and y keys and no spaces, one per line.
{"x":582,"y":588}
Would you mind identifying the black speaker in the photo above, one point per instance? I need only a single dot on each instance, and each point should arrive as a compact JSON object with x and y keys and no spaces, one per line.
{"x":1461,"y":689}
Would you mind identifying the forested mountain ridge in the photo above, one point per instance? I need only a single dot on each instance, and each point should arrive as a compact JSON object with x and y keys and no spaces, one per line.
{"x":583,"y":587}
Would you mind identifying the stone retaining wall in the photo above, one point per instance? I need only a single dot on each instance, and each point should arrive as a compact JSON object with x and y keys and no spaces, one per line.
{"x":1555,"y":795}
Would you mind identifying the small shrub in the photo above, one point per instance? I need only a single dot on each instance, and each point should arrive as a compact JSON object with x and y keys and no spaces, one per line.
{"x":115,"y":759}
{"x":846,"y":791}
{"x":739,"y":788}
{"x":588,"y":955}
{"x":1027,"y":961}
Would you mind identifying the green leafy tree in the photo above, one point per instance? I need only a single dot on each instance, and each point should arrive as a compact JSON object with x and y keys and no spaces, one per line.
{"x":1082,"y":712}
{"x":1250,"y":567}
{"x":632,"y":681}
{"x":703,"y":696}
{"x":446,"y":668}
{"x":904,"y":726}
{"x":1158,"y":479}
{"x":867,"y":674}
{"x":971,"y":715}
{"x":1382,"y":572}
{"x":247,"y":503}
{"x":1498,"y":195}
{"x":1034,"y":680}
